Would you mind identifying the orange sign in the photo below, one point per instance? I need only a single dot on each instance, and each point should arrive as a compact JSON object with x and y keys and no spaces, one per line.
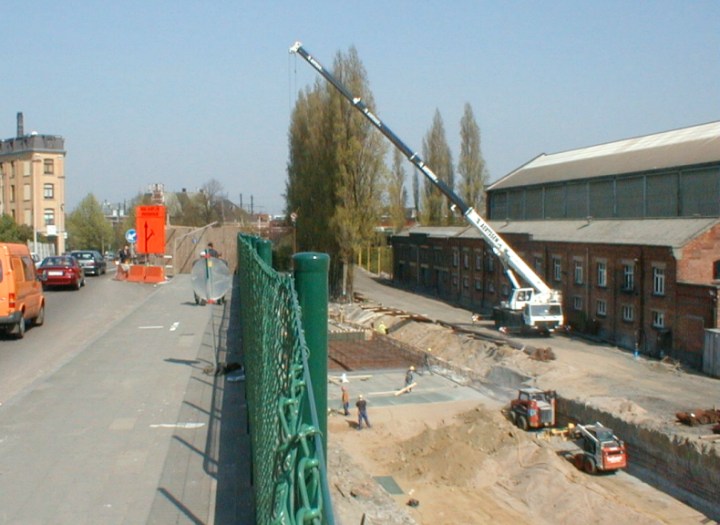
{"x":150,"y":227}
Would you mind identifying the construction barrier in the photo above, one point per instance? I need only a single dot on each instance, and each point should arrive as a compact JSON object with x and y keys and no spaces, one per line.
{"x":136,"y":274}
{"x":154,"y":274}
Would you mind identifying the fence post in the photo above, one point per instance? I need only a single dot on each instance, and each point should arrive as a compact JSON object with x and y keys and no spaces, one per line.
{"x":264,"y":250}
{"x":311,"y":284}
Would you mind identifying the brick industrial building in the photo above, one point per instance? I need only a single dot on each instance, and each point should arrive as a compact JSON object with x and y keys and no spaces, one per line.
{"x":628,"y":231}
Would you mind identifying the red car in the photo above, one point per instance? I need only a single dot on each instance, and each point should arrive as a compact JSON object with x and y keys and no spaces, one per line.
{"x":61,"y":270}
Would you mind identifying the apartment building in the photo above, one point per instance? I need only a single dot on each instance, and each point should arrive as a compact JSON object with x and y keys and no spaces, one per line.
{"x":32,"y":183}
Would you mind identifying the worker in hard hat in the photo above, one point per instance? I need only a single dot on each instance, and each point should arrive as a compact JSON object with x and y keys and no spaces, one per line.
{"x":409,"y":378}
{"x":345,"y":400}
{"x":361,"y":405}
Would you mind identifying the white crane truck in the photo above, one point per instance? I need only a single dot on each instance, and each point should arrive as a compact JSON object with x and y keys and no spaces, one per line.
{"x":535,"y":307}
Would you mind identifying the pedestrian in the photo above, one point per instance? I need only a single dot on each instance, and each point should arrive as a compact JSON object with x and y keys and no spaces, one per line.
{"x":409,"y":378}
{"x":124,"y":254}
{"x":361,"y":405}
{"x":346,"y":400}
{"x":210,"y":251}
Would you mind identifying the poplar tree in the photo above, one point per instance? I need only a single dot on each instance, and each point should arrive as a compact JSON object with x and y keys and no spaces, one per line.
{"x":397,"y":194}
{"x":335,"y":169}
{"x":471,"y":165}
{"x":437,"y":155}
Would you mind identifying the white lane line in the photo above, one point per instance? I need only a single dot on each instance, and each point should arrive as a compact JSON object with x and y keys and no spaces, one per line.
{"x":174,"y":326}
{"x":151,"y":327}
{"x":178,"y":425}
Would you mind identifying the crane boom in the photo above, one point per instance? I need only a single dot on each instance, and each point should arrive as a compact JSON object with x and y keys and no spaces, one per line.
{"x":501,"y":248}
{"x":541,"y":295}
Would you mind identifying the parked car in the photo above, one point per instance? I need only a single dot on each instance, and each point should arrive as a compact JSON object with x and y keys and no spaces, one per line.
{"x":22,"y":302}
{"x":61,"y":270}
{"x":91,"y":261}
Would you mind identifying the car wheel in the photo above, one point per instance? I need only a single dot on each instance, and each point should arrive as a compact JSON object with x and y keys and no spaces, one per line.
{"x":20,"y":328}
{"x":78,"y":284}
{"x":40,"y":319}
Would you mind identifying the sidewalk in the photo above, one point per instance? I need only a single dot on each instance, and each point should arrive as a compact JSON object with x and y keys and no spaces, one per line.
{"x":131,"y":434}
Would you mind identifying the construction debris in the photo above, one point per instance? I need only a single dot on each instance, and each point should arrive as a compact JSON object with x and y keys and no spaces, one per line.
{"x":699,"y":417}
{"x":406,"y":389}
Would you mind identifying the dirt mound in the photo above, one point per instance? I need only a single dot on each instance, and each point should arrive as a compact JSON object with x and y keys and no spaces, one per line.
{"x":451,"y":453}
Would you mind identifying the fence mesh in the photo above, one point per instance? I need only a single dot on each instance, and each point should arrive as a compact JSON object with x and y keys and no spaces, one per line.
{"x":290,"y":481}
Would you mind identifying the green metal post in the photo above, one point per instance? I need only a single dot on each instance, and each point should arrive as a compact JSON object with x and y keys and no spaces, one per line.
{"x":311,"y":284}
{"x":264,"y":250}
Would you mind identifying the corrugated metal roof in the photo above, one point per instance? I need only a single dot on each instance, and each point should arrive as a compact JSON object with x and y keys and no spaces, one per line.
{"x":682,"y":147}
{"x":673,"y":233}
{"x":432,"y":231}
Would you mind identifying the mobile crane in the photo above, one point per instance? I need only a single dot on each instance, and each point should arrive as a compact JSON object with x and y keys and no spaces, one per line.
{"x":536,"y":308}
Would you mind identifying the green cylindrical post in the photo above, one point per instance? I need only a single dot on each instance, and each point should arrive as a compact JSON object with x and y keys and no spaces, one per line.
{"x":311,"y":284}
{"x":264,"y":250}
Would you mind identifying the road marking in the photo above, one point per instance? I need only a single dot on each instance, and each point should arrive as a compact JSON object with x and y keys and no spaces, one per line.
{"x":153,"y":327}
{"x":178,"y":425}
{"x":174,"y":326}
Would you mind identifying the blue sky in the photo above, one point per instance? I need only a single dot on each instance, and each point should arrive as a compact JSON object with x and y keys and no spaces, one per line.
{"x":183,"y":92}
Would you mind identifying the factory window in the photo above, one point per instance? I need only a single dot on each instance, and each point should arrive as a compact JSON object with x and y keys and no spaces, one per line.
{"x":491,"y":263}
{"x":716,"y":270}
{"x":48,"y":167}
{"x":466,"y":260}
{"x":49,"y":191}
{"x":658,"y":319}
{"x":478,"y":285}
{"x":456,"y":257}
{"x":578,"y":271}
{"x":658,"y":281}
{"x":602,"y":274}
{"x":628,"y":277}
{"x":557,"y":269}
{"x":478,"y":261}
{"x":26,"y":168}
{"x":628,"y":313}
{"x":49,"y":216}
{"x":466,"y":283}
{"x":577,"y":303}
{"x":602,"y":307}
{"x":27,"y":194}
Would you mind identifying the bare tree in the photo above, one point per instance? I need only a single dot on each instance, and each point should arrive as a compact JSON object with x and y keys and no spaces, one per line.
{"x":397,"y":194}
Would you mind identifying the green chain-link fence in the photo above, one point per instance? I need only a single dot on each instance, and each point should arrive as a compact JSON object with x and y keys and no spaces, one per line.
{"x":289,"y":477}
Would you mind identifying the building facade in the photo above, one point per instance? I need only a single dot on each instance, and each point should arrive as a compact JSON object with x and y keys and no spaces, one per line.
{"x":32,"y":183}
{"x":636,"y":254}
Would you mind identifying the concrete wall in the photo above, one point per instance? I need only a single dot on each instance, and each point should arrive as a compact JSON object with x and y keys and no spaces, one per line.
{"x":685,"y":468}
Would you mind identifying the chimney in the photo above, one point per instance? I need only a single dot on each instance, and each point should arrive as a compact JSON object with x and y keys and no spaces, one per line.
{"x":20,"y":130}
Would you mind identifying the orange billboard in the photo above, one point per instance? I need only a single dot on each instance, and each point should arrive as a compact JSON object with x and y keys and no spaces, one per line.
{"x":150,"y":227}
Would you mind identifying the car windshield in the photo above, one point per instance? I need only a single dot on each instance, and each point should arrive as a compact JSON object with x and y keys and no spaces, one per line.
{"x":543,"y":310}
{"x":57,"y":261}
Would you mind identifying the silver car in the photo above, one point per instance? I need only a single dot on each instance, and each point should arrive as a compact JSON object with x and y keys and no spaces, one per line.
{"x":91,"y":261}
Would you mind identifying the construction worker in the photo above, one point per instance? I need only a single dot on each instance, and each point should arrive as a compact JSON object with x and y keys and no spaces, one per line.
{"x":361,"y":405}
{"x":346,"y":400}
{"x":409,"y":378}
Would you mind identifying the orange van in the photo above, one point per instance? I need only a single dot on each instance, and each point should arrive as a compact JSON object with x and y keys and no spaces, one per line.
{"x":22,"y":302}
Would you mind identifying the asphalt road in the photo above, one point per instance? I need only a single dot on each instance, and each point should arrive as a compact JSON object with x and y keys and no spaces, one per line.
{"x":73,"y":319}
